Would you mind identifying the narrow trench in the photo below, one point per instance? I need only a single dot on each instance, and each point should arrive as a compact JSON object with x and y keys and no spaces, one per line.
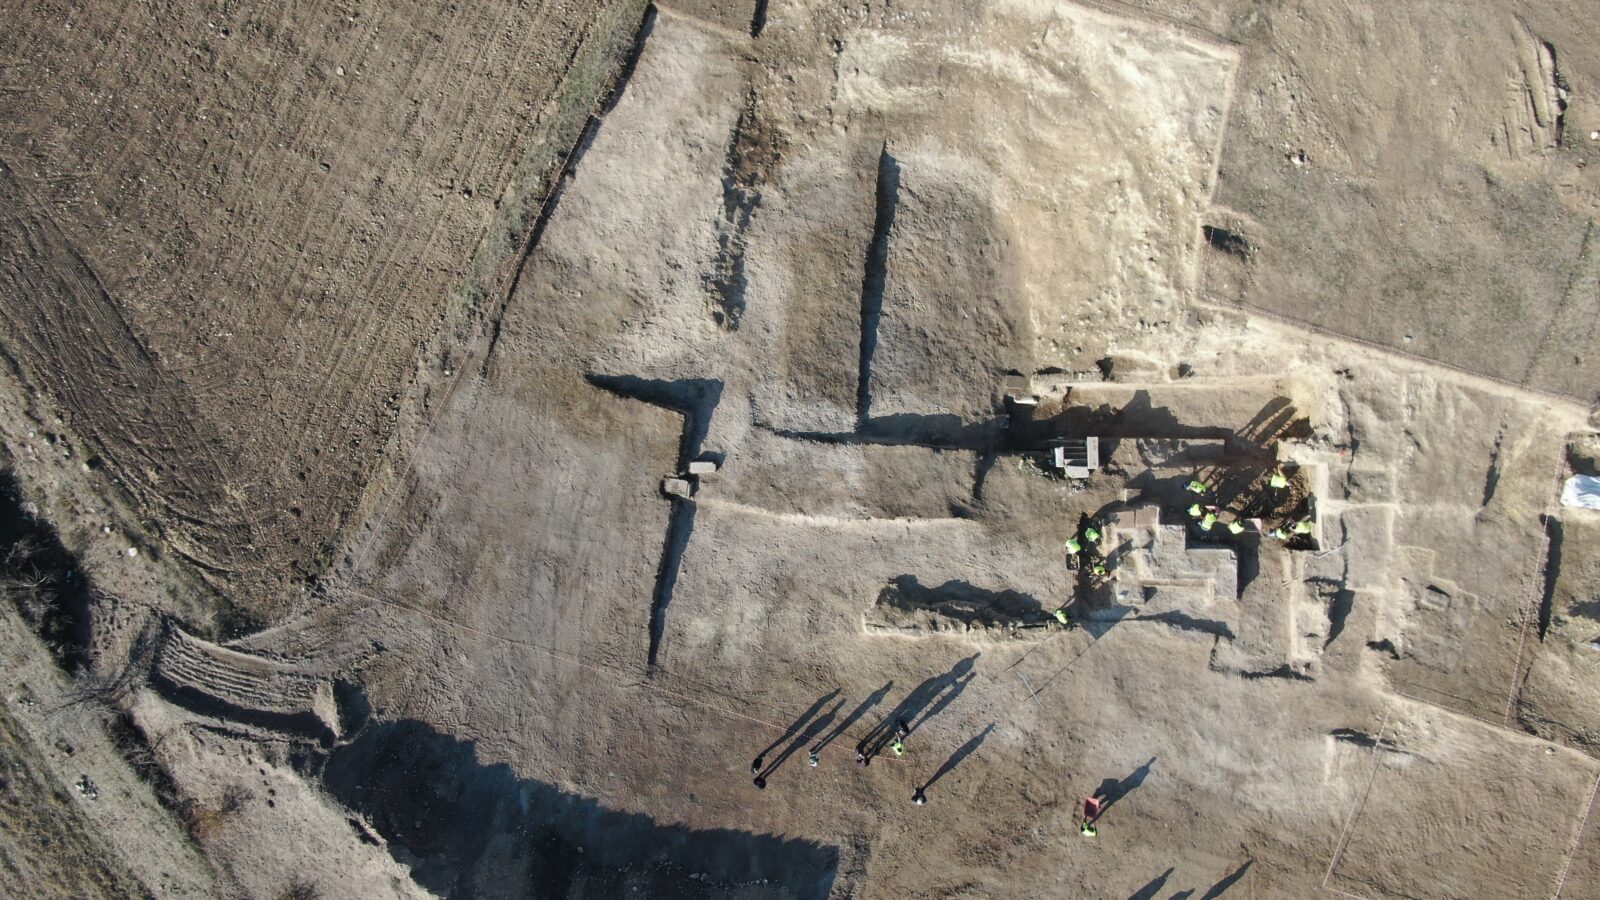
{"x":696,"y":400}
{"x":1491,"y":479}
{"x":872,"y":283}
{"x":679,"y":529}
{"x":561,"y":178}
{"x":1248,"y":554}
{"x":1552,"y":571}
{"x":1559,"y":82}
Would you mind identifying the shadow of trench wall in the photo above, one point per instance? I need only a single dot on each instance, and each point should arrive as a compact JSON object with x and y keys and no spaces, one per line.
{"x":465,"y":826}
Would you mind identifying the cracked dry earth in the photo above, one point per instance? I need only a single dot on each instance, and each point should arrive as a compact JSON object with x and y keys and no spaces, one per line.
{"x":741,"y":460}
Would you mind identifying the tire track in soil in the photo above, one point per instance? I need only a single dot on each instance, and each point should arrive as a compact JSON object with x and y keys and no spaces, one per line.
{"x":373,"y":325}
{"x":313,"y":111}
{"x":301,"y":376}
{"x":337,"y":224}
{"x":67,"y":334}
{"x":379,"y":315}
{"x":393,"y":496}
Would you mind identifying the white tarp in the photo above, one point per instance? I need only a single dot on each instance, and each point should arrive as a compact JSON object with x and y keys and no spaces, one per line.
{"x":1582,"y":491}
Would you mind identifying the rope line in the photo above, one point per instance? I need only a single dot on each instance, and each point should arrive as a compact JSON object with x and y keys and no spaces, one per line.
{"x":1338,"y":848}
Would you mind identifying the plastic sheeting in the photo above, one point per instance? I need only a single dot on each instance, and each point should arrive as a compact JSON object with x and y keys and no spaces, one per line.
{"x":1581,"y":491}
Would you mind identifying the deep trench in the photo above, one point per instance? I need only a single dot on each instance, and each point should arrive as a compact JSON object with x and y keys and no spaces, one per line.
{"x":1551,"y":572}
{"x":680,"y":527}
{"x":696,"y":400}
{"x":1229,"y":242}
{"x":875,"y":277}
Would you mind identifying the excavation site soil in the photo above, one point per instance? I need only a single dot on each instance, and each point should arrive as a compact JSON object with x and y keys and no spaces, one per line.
{"x":760,"y":449}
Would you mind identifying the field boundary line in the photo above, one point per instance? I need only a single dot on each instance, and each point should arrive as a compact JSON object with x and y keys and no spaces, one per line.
{"x":1573,"y":402}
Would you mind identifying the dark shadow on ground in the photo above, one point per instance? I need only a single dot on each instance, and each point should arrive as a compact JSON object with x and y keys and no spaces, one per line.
{"x":1550,"y":573}
{"x":680,"y":527}
{"x":875,"y":276}
{"x":1139,"y":418}
{"x":1274,"y":422}
{"x":1247,"y":557}
{"x":1100,"y":622}
{"x":855,"y":714}
{"x":794,"y":727}
{"x":1113,"y":789}
{"x":1149,"y":891}
{"x":938,"y":431}
{"x":1229,"y":881}
{"x":441,"y":809}
{"x":962,"y":752}
{"x":945,"y":430}
{"x":927,"y":700}
{"x":43,"y":578}
{"x":812,"y":730}
{"x":1185,"y":622}
{"x":695,"y":398}
{"x":962,"y":601}
{"x":207,"y":704}
{"x":1340,"y":602}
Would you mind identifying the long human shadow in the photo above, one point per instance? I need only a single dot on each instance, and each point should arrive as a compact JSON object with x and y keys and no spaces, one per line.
{"x":844,"y":725}
{"x":915,"y":702}
{"x":1113,"y":789}
{"x":945,"y":698}
{"x":1229,"y":881}
{"x":962,"y":752}
{"x":794,"y":728}
{"x":1149,"y":891}
{"x":805,"y":737}
{"x":468,"y":827}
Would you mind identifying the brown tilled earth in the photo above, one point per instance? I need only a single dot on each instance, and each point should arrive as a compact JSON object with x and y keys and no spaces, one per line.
{"x":237,"y":238}
{"x":554,"y":449}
